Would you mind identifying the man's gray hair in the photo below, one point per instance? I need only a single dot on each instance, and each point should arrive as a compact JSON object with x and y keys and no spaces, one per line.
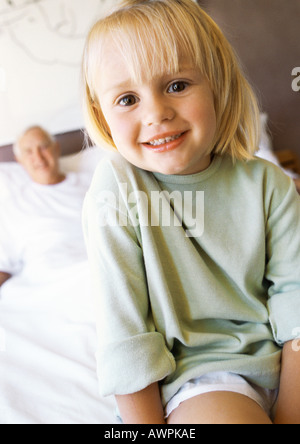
{"x":16,"y":146}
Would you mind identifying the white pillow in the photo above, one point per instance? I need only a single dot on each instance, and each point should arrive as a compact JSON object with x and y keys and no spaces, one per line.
{"x":266,"y":146}
{"x":85,"y":161}
{"x":12,"y":175}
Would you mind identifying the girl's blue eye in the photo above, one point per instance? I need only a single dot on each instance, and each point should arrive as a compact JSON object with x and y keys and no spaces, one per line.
{"x":128,"y":101}
{"x":177,"y":87}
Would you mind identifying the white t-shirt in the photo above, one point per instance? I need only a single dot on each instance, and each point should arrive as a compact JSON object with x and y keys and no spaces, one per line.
{"x":47,"y":325}
{"x":40,"y":226}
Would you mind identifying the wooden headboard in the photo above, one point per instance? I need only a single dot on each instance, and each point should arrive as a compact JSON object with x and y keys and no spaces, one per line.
{"x":70,"y":143}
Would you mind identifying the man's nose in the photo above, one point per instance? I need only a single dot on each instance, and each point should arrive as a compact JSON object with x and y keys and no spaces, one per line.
{"x":157,"y":110}
{"x":37,"y":155}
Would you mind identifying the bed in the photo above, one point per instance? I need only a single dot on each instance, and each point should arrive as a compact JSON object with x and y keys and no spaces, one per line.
{"x":47,"y":327}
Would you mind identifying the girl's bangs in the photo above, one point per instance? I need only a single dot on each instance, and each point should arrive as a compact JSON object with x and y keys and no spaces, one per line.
{"x":153,"y":44}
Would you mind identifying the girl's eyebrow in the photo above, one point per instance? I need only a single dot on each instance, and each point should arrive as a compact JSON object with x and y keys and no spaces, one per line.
{"x":127,"y":84}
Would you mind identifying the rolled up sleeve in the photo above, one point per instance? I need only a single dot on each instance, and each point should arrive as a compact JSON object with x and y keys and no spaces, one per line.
{"x":283,"y":262}
{"x":141,"y":360}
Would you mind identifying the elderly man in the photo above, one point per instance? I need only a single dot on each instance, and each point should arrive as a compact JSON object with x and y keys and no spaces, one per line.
{"x":38,"y":152}
{"x":48,"y":207}
{"x":47,"y":325}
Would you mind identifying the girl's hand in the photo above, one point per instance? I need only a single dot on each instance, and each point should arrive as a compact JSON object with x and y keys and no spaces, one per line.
{"x":288,"y":409}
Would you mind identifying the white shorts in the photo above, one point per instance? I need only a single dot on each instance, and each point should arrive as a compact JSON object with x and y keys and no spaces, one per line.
{"x":223,"y":382}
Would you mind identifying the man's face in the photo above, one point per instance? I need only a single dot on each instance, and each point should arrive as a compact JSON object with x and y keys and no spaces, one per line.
{"x":39,"y":155}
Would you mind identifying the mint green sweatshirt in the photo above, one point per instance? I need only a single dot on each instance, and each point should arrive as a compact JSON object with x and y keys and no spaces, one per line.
{"x":192,"y":274}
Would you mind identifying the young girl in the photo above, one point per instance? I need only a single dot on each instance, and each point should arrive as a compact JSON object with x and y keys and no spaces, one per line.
{"x":194,"y":244}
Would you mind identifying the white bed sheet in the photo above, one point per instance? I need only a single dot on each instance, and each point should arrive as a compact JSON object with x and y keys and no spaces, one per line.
{"x":48,"y":340}
{"x":47,"y":362}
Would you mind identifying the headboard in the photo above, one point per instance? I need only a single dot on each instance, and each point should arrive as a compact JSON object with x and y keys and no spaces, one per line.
{"x":70,"y":143}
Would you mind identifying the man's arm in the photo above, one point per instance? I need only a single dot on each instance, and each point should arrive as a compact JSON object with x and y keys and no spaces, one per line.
{"x":4,"y":277}
{"x":144,"y":407}
{"x":288,"y":410}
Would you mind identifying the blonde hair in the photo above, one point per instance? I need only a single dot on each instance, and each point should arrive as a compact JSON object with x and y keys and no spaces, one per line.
{"x":152,"y":37}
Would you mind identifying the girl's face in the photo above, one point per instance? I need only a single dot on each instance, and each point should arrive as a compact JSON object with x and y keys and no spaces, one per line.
{"x":165,"y":125}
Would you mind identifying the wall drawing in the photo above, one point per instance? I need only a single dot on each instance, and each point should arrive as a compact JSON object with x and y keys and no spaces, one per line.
{"x":41,"y":44}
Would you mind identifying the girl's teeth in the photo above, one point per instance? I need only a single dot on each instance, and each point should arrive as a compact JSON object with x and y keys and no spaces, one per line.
{"x":163,"y":141}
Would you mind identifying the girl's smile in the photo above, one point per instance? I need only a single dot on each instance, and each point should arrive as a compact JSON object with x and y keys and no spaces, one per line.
{"x":165,"y":142}
{"x":165,"y":124}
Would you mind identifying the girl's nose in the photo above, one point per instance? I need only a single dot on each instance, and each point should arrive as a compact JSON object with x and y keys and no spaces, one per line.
{"x":156,"y":111}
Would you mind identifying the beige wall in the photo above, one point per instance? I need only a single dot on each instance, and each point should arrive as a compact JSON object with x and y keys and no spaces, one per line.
{"x":266,"y":36}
